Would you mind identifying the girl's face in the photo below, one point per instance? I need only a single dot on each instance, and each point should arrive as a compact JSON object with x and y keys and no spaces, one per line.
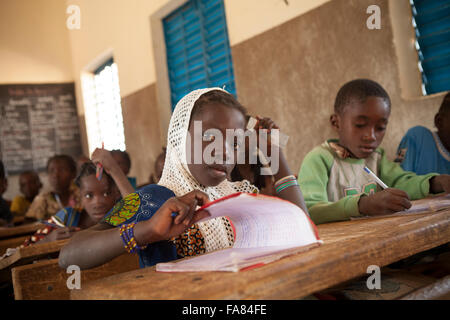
{"x":60,"y":175}
{"x":220,"y":117}
{"x":97,"y":197}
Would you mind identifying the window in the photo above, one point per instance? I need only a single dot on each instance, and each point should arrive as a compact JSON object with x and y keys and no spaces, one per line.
{"x":431,"y":21}
{"x":103,"y":110}
{"x":197,"y":47}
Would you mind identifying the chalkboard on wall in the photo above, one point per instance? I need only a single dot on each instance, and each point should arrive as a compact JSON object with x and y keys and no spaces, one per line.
{"x":37,"y":121}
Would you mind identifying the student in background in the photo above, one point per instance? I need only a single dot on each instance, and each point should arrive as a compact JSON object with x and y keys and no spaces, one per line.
{"x":123,"y":160}
{"x":61,"y":170}
{"x":158,"y":167}
{"x":145,"y":216}
{"x":423,"y":151}
{"x":332,"y":177}
{"x":6,"y":217}
{"x":30,"y":184}
{"x":97,"y":198}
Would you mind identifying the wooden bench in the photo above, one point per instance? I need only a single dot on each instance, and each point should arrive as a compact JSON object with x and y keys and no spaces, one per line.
{"x":349,"y":248}
{"x":46,"y":280}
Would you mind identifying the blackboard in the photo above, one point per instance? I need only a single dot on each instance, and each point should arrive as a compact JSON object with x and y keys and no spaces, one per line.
{"x":37,"y":121}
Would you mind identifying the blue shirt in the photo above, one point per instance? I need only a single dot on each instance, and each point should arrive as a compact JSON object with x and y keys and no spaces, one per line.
{"x":140,"y":206}
{"x":421,"y":151}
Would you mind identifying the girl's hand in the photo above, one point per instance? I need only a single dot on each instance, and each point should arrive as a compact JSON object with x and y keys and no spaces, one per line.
{"x":105,"y":158}
{"x":440,"y":184}
{"x":163,"y":226}
{"x":384,"y":202}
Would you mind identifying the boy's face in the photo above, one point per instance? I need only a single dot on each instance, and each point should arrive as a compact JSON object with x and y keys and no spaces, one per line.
{"x":361,"y":126}
{"x":29,"y":185}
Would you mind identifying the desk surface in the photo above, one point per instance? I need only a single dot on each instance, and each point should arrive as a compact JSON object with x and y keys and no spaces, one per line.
{"x":349,"y":248}
{"x":30,"y":228}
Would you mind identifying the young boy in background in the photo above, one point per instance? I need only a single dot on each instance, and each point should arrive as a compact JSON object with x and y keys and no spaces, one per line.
{"x":332,"y":177}
{"x":423,"y":151}
{"x":30,"y":184}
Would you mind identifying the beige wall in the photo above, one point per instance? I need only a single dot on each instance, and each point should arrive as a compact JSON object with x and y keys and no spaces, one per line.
{"x":292,"y":73}
{"x":289,"y":56}
{"x":34,"y":48}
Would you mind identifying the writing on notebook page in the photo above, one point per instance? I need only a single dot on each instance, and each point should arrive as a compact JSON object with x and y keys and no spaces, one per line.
{"x":265,"y":229}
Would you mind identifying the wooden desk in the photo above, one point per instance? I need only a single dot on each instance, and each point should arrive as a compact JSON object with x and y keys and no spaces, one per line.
{"x":29,"y":254}
{"x":27,"y":229}
{"x":349,"y":248}
{"x":11,"y":243}
{"x":46,"y":280}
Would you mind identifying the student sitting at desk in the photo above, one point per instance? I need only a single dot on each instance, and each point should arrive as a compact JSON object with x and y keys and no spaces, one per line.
{"x":142,"y":222}
{"x":30,"y":184}
{"x":6,"y":217}
{"x":61,"y":170}
{"x":97,"y":198}
{"x":123,"y":160}
{"x":422,"y":151}
{"x":332,"y":175}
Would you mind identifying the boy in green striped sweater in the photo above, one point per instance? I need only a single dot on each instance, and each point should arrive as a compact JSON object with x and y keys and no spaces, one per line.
{"x":332,"y":179}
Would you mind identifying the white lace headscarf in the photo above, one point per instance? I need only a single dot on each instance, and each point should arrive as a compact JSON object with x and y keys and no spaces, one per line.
{"x":177,"y":177}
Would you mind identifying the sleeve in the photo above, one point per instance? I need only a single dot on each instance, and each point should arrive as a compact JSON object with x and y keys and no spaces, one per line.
{"x":406,"y":153}
{"x":16,"y":205}
{"x":417,"y":186}
{"x":138,"y":206}
{"x":313,"y":181}
{"x":38,"y":208}
{"x":38,"y":235}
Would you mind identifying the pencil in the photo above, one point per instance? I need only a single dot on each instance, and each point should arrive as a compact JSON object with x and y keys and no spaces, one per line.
{"x":378,"y":180}
{"x":99,"y":172}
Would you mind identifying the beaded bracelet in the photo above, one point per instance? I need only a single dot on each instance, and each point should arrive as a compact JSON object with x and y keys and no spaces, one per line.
{"x":127,"y":236}
{"x":285,"y":183}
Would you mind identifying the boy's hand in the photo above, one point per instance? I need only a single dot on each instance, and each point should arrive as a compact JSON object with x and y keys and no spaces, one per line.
{"x":440,"y":184}
{"x":384,"y":202}
{"x":163,"y":226}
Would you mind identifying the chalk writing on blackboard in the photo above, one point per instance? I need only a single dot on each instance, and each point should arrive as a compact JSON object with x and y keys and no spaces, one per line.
{"x":37,"y":122}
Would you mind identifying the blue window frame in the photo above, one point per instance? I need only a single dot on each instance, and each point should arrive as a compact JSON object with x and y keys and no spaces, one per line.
{"x":431,"y":21}
{"x":197,"y":47}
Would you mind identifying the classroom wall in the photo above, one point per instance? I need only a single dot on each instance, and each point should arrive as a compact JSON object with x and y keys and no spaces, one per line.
{"x":34,"y":48}
{"x":290,"y":58}
{"x":292,"y":73}
{"x":122,"y":28}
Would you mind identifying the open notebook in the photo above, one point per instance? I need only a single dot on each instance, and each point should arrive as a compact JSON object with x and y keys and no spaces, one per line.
{"x":429,"y":204}
{"x":265,"y":229}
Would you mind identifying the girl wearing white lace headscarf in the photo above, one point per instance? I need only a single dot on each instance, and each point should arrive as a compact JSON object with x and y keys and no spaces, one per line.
{"x":215,"y":233}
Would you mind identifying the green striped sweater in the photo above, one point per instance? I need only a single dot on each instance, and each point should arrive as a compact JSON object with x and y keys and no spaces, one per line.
{"x":332,"y":185}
